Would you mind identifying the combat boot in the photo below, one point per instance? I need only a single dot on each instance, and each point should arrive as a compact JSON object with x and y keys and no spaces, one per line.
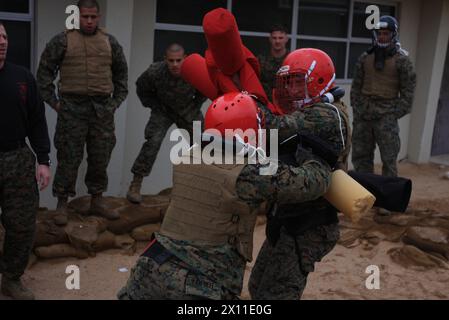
{"x":15,"y":289}
{"x":133,"y":194}
{"x":61,"y":217}
{"x":99,"y":207}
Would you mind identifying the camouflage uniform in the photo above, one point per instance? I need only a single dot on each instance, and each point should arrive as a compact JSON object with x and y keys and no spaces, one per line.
{"x":299,"y":234}
{"x":172,"y":101}
{"x":82,"y":120}
{"x":19,"y":201}
{"x":216,"y":272}
{"x":22,"y":115}
{"x":376,"y":119}
{"x":279,"y":273}
{"x":269,"y":66}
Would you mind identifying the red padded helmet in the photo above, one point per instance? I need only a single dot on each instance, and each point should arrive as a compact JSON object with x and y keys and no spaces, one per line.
{"x":234,"y":110}
{"x":305,"y":75}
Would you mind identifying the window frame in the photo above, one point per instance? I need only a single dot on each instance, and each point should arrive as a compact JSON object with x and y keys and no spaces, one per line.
{"x":25,"y":17}
{"x":293,"y":35}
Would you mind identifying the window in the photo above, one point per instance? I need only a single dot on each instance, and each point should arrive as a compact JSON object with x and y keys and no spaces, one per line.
{"x":188,"y":12}
{"x":181,"y":21}
{"x":259,"y":16}
{"x":191,"y":41}
{"x":16,"y":6}
{"x":326,"y":18}
{"x":17,"y":17}
{"x":335,"y":50}
{"x":335,"y":26}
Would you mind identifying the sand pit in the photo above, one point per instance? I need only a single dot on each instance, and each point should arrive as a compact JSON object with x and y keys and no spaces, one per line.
{"x":406,"y":271}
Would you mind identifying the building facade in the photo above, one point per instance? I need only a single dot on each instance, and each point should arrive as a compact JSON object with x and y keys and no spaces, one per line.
{"x":146,"y":27}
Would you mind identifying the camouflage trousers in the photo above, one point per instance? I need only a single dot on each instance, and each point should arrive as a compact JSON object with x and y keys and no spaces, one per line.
{"x":155,"y":131}
{"x":19,"y":202}
{"x":83,"y":121}
{"x":170,"y":280}
{"x":366,"y":134}
{"x":280,"y":271}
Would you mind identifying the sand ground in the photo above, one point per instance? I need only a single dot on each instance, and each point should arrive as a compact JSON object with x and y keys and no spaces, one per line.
{"x":341,"y":274}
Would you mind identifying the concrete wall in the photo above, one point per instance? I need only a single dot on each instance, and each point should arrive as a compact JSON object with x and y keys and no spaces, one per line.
{"x":432,"y":46}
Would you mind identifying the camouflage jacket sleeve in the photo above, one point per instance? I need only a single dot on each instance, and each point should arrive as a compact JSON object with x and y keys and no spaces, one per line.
{"x":290,"y":184}
{"x":119,"y":72}
{"x":49,"y":64}
{"x":287,"y":125}
{"x":357,"y":84}
{"x":146,"y":89}
{"x":407,"y":83}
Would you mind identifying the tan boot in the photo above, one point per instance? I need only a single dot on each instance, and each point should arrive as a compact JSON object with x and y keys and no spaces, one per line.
{"x":99,"y":207}
{"x":133,"y":194}
{"x":61,"y":217}
{"x":16,"y":290}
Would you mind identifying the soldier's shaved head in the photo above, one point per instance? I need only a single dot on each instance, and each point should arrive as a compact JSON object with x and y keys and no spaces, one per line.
{"x":88,"y":4}
{"x":174,"y":48}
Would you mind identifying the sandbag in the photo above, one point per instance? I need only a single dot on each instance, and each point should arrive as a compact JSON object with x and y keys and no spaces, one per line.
{"x":143,"y":233}
{"x":107,"y":240}
{"x":410,"y":256}
{"x":60,"y":251}
{"x":428,"y":239}
{"x":126,"y":243}
{"x":47,"y":233}
{"x":83,"y":234}
{"x":133,"y":216}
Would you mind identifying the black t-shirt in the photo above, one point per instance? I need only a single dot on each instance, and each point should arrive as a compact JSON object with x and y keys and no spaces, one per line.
{"x":22,"y":112}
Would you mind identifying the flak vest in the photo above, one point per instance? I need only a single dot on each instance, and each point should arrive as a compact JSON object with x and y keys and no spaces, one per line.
{"x":381,"y":83}
{"x":87,"y":65}
{"x":205,"y":208}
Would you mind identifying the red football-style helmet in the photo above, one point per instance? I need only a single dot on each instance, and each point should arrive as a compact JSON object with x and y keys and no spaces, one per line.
{"x":305,"y":76}
{"x":234,"y":111}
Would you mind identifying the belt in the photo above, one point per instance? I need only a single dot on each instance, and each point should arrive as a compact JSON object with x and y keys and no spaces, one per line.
{"x":8,"y":147}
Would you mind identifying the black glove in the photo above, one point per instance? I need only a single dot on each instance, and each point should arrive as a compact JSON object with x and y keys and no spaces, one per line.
{"x":318,"y":147}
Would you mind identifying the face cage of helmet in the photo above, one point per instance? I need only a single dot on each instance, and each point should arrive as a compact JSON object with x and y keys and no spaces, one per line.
{"x":383,"y":37}
{"x":291,"y":91}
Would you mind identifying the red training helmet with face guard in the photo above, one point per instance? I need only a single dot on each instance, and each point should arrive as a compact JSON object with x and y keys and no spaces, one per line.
{"x":305,"y":76}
